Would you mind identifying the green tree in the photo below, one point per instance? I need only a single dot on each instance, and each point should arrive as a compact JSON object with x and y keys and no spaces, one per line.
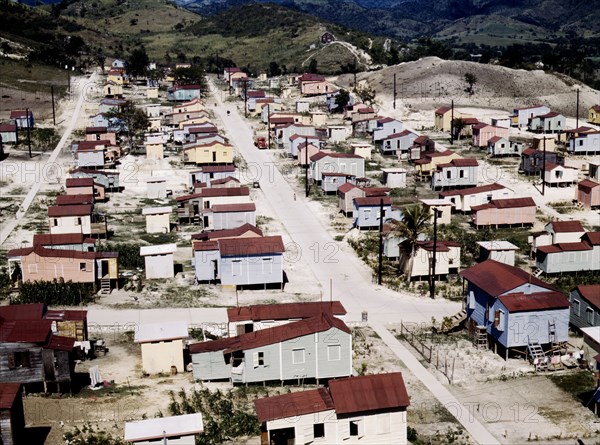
{"x":138,"y":62}
{"x":415,"y":220}
{"x":341,"y":100}
{"x":134,"y":119}
{"x":193,"y":75}
{"x":366,"y":94}
{"x":458,"y":125}
{"x":471,"y":80}
{"x":313,"y":66}
{"x":274,"y":69}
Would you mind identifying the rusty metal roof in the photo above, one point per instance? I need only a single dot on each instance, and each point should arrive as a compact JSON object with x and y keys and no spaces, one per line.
{"x":371,"y":201}
{"x":48,"y":239}
{"x":520,"y":302}
{"x":234,"y":208}
{"x":293,"y":404}
{"x":70,"y":200}
{"x":8,"y":394}
{"x":473,"y":190}
{"x":72,"y":210}
{"x":213,"y":345}
{"x":25,"y":331}
{"x":60,"y":343}
{"x":79,"y":182}
{"x":66,"y":315}
{"x":497,"y":278}
{"x":227,"y":233}
{"x":565,"y":247}
{"x":251,"y":246}
{"x":566,"y":226}
{"x":369,"y":393}
{"x":592,"y":238}
{"x":15,"y":312}
{"x":591,"y":292}
{"x":284,"y":311}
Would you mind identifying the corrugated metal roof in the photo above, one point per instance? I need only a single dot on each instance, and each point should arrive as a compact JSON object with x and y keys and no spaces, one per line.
{"x":71,"y":200}
{"x":62,"y":315}
{"x":60,"y":343}
{"x":8,"y":394}
{"x":284,"y":311}
{"x":565,"y":247}
{"x":217,"y":168}
{"x":473,"y":190}
{"x":251,"y":246}
{"x":159,"y":428}
{"x":227,"y":233}
{"x":323,"y":154}
{"x":213,"y":345}
{"x":293,"y":404}
{"x":206,"y":246}
{"x":371,"y":201}
{"x":48,"y":239}
{"x":233,"y":208}
{"x":15,"y":312}
{"x":161,"y":249}
{"x":369,"y":393}
{"x":592,"y":237}
{"x":74,"y":210}
{"x":25,"y":331}
{"x":161,"y":331}
{"x":587,"y":184}
{"x":497,"y":278}
{"x":520,"y":302}
{"x":591,"y":292}
{"x":566,"y":226}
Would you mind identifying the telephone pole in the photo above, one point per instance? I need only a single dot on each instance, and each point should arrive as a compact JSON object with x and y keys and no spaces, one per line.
{"x":452,"y":123}
{"x":380,"y":265}
{"x":433,"y":260}
{"x":577,"y":122}
{"x":394,"y":91}
{"x":306,"y":188}
{"x":28,"y":131}
{"x":544,"y":167}
{"x":53,"y":110}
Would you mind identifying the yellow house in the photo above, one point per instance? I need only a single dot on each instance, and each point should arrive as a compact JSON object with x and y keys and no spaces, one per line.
{"x":429,"y":163}
{"x":443,"y":207}
{"x":443,"y":118}
{"x":152,"y":93}
{"x":186,"y":107}
{"x":594,"y":115}
{"x":271,"y":106}
{"x":154,"y":151}
{"x":447,"y":259}
{"x":212,"y":153}
{"x":112,"y":89}
{"x":118,"y":77}
{"x":157,"y":219}
{"x":194,"y":120}
{"x":162,"y":346}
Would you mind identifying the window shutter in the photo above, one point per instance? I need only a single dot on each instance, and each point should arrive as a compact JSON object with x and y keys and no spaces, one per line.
{"x":308,"y":434}
{"x":11,"y":360}
{"x":344,"y":429}
{"x":25,"y":359}
{"x":471,"y":300}
{"x":360,"y":424}
{"x":255,"y":359}
{"x":497,"y":319}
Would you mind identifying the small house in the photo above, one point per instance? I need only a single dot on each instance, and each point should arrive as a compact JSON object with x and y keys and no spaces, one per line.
{"x":117,"y":77}
{"x":156,"y":188}
{"x":245,"y":319}
{"x":585,"y":306}
{"x":318,"y":348}
{"x":304,"y":155}
{"x":482,"y":133}
{"x":346,"y":194}
{"x":70,"y":200}
{"x":362,"y":150}
{"x":157,"y":219}
{"x":367,"y":211}
{"x":386,"y":127}
{"x":504,"y":212}
{"x":559,"y":175}
{"x":108,"y":104}
{"x":285,"y":132}
{"x":100,"y":134}
{"x":213,"y":153}
{"x":296,"y":140}
{"x":458,"y":173}
{"x":183,"y":93}
{"x":588,"y":193}
{"x":12,"y":415}
{"x":594,"y":170}
{"x":22,"y":119}
{"x":394,"y":177}
{"x":227,"y":182}
{"x":532,"y":160}
{"x":174,"y":430}
{"x":85,"y":186}
{"x":158,"y":260}
{"x":428,"y":163}
{"x":363,"y":409}
{"x":547,"y":123}
{"x":244,"y":231}
{"x":580,"y":256}
{"x":162,"y":346}
{"x":464,"y":199}
{"x":499,"y":146}
{"x":443,"y":207}
{"x":197,"y":205}
{"x":70,"y":219}
{"x":231,"y":216}
{"x":324,"y":162}
{"x":9,"y":134}
{"x":109,"y":179}
{"x":155,"y":149}
{"x":447,"y":259}
{"x":188,"y":107}
{"x":443,"y":118}
{"x":331,"y":181}
{"x":313,"y":84}
{"x":398,"y":143}
{"x":421,"y":145}
{"x":209,"y":173}
{"x":337,"y":133}
{"x":503,"y":302}
{"x":65,"y":241}
{"x":501,"y":251}
{"x":521,"y":116}
{"x":594,"y":115}
{"x":557,"y":232}
{"x":585,"y":144}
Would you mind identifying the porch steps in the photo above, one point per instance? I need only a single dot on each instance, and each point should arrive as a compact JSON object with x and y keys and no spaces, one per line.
{"x":480,"y":338}
{"x":537,"y":356}
{"x":105,"y":286}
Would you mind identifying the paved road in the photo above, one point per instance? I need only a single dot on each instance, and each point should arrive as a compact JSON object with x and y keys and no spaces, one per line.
{"x":9,"y":226}
{"x":351,"y":279}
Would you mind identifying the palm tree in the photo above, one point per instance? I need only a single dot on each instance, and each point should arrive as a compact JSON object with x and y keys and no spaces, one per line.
{"x":414,"y":221}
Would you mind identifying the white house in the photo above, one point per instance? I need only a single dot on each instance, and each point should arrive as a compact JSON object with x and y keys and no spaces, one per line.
{"x":158,"y":260}
{"x":386,"y":127}
{"x":464,"y":199}
{"x":394,"y":177}
{"x":337,"y":133}
{"x":323,"y":162}
{"x":162,"y":346}
{"x":501,"y":251}
{"x":157,"y":219}
{"x":367,"y":409}
{"x":175,"y":430}
{"x":560,"y":175}
{"x":521,"y":116}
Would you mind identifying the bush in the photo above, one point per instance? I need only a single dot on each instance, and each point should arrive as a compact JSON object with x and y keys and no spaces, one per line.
{"x":129,"y":254}
{"x":56,"y":292}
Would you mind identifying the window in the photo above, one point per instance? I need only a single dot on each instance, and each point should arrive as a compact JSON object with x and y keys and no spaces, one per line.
{"x":32,"y":268}
{"x":499,"y":320}
{"x":18,"y":359}
{"x":319,"y":430}
{"x":575,"y":307}
{"x":461,"y":173}
{"x":259,"y":359}
{"x":357,"y":428}
{"x":471,"y":300}
{"x":78,"y":221}
{"x":334,"y":353}
{"x":55,"y":222}
{"x":298,"y":356}
{"x":589,"y":313}
{"x":448,"y":174}
{"x":82,"y":267}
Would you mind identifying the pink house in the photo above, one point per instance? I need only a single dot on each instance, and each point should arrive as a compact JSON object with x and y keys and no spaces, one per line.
{"x":588,"y":193}
{"x":312,"y":84}
{"x":482,"y":133}
{"x":510,"y":212}
{"x":100,"y":134}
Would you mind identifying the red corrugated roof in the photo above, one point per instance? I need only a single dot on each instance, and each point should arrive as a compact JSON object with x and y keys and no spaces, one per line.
{"x":206,"y":129}
{"x":587,"y":184}
{"x":60,"y":253}
{"x":65,"y":315}
{"x":375,"y":191}
{"x":25,"y":331}
{"x":566,"y":226}
{"x":322,"y":154}
{"x":288,"y":331}
{"x":520,"y":302}
{"x":591,"y":292}
{"x":565,"y":247}
{"x":74,"y":210}
{"x":8,"y":128}
{"x":60,"y":343}
{"x":293,"y":404}
{"x":251,"y":246}
{"x":96,"y":130}
{"x":91,"y":145}
{"x":509,"y":203}
{"x":47,"y":239}
{"x":234,"y":208}
{"x":224,"y":180}
{"x":227,"y":233}
{"x":592,"y":238}
{"x":369,"y":393}
{"x":70,"y":200}
{"x":473,"y":190}
{"x":206,"y":246}
{"x":284,"y":311}
{"x":346,"y":187}
{"x":496,"y":278}
{"x":15,"y":312}
{"x":213,"y":345}
{"x":442,"y":110}
{"x":371,"y":201}
{"x":8,"y":394}
{"x":79,"y":182}
{"x":217,"y":168}
{"x":18,"y":114}
{"x":441,"y":246}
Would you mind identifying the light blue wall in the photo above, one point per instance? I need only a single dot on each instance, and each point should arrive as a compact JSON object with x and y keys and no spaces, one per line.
{"x":263,"y":269}
{"x":203,"y":265}
{"x":576,"y":261}
{"x":210,"y":366}
{"x":366,"y":216}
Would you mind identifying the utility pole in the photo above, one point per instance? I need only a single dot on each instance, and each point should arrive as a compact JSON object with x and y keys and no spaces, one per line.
{"x":452,"y":123}
{"x":577,"y":121}
{"x":246,"y":98}
{"x":380,"y":265}
{"x":28,"y":131}
{"x":269,"y":126}
{"x":433,"y":260}
{"x":544,"y":167}
{"x":394,"y":91}
{"x":53,"y":110}
{"x":306,"y":188}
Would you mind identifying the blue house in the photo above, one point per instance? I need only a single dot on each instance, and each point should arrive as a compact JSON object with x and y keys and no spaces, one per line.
{"x":513,"y":309}
{"x":367,"y":211}
{"x":109,"y":179}
{"x":184,"y":93}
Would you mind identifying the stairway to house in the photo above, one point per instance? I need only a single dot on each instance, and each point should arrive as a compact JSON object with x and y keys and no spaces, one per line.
{"x":537,"y":356}
{"x":480,"y":338}
{"x":105,"y":286}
